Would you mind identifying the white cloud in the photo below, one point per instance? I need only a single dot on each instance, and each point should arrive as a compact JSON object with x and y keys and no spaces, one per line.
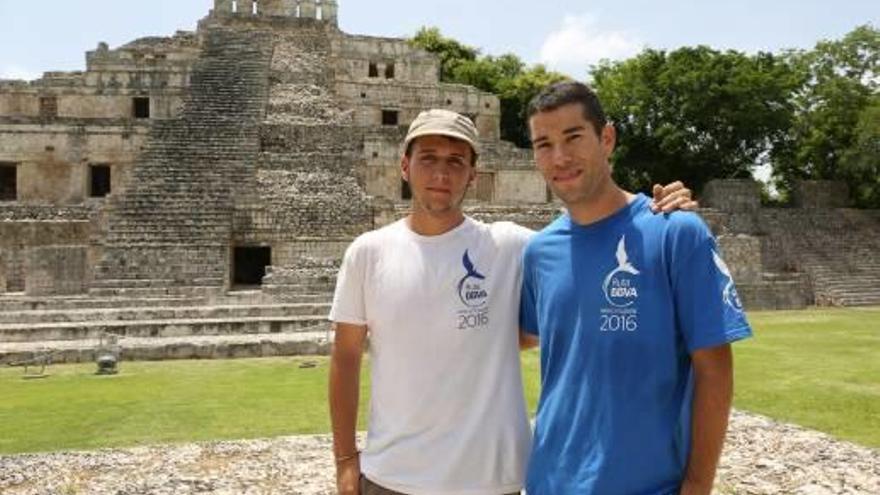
{"x":580,"y":41}
{"x":16,"y":72}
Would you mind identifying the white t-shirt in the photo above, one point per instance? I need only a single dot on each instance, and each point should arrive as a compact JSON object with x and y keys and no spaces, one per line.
{"x":447,"y":413}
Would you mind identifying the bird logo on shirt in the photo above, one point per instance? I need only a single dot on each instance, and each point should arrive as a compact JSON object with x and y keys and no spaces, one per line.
{"x":619,"y":286}
{"x":731,"y":297}
{"x":470,"y":290}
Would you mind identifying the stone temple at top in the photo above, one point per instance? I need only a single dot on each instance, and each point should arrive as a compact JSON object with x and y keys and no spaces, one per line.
{"x":248,"y":154}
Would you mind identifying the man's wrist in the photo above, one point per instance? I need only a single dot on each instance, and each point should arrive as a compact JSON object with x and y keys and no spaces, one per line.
{"x":340,"y":459}
{"x":693,"y":487}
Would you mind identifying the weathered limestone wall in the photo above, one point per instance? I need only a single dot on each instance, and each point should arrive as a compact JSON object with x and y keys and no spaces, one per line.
{"x":740,"y":200}
{"x":289,"y":252}
{"x":56,"y":270}
{"x":87,"y":103}
{"x":19,"y":237}
{"x":157,"y":68}
{"x":519,"y":186}
{"x":369,"y":99}
{"x":820,"y":194}
{"x":2,"y":272}
{"x":53,"y":160}
{"x":355,"y":53}
{"x":742,"y":253}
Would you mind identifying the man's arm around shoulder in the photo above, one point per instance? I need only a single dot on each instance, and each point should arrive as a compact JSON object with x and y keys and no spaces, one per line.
{"x":713,"y":392}
{"x":344,"y":388}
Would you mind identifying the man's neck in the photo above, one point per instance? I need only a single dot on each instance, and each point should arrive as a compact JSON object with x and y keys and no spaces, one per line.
{"x":427,"y":224}
{"x":611,"y":200}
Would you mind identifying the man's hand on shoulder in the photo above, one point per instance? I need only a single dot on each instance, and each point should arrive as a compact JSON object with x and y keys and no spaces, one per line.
{"x":672,"y":197}
{"x":527,"y":341}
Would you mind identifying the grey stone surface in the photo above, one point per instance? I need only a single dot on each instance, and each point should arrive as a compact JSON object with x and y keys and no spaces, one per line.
{"x":820,"y":194}
{"x":761,"y":457}
{"x":56,"y":271}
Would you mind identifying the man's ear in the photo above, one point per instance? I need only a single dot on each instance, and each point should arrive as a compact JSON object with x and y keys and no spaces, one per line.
{"x":608,"y":139}
{"x":404,"y":168}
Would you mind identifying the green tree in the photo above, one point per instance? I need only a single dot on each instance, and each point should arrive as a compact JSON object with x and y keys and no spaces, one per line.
{"x":694,"y":114}
{"x":860,"y":163}
{"x":515,"y":95}
{"x":841,"y":79}
{"x":505,"y":76}
{"x":451,"y":52}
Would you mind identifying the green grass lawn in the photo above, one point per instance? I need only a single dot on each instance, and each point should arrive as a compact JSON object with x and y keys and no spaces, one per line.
{"x":815,"y":368}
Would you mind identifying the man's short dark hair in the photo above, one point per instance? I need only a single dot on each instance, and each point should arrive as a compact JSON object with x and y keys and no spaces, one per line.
{"x":567,"y":92}
{"x":408,"y":151}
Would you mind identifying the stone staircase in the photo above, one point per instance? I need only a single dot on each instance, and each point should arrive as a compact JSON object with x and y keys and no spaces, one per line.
{"x":838,"y":249}
{"x":166,"y":329}
{"x":173,"y":226}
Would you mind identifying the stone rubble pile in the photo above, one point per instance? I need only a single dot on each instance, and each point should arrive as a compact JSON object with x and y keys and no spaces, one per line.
{"x":761,"y":457}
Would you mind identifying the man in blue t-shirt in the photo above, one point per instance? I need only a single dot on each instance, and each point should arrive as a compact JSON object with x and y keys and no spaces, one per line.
{"x":634,"y":312}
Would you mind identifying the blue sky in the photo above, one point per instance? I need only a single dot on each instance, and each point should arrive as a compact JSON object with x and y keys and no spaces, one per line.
{"x":568,"y":35}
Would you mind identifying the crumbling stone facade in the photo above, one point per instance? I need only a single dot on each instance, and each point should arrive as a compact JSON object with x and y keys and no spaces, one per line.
{"x":816,"y":252}
{"x":267,"y":127}
{"x":255,"y":148}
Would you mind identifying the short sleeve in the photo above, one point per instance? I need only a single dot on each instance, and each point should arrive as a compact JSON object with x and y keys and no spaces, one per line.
{"x":528,"y":311}
{"x":708,"y":308}
{"x":348,"y":299}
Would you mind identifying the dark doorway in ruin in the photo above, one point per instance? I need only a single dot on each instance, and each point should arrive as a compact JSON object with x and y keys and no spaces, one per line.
{"x":374,"y":70}
{"x":249,"y":265}
{"x":389,"y":71}
{"x":99,"y":181}
{"x":390,"y":117}
{"x":405,"y":191}
{"x":141,"y":107}
{"x":8,"y":182}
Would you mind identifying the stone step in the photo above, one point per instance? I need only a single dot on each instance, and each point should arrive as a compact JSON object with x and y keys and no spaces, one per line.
{"x":844,"y":283}
{"x":154,"y":292}
{"x":141,"y":283}
{"x":155,"y":349}
{"x":25,"y":303}
{"x":18,"y":333}
{"x":132,"y":283}
{"x":782,"y":277}
{"x":872,"y":292}
{"x":860,"y":301}
{"x":162,"y":313}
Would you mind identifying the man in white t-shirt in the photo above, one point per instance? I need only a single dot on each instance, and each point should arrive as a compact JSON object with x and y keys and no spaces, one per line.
{"x":438,"y":295}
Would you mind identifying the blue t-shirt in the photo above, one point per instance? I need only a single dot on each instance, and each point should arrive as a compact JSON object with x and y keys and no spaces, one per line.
{"x":619,"y":306}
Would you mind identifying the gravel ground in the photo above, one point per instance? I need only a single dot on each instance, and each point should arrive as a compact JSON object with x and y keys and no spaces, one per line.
{"x":761,"y":457}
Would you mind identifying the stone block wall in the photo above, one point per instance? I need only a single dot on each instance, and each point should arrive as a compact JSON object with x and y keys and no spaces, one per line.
{"x":820,"y":194}
{"x":23,"y":229}
{"x":56,"y":270}
{"x":355,"y":53}
{"x":2,"y":272}
{"x":742,"y":253}
{"x":732,"y":195}
{"x":53,"y":159}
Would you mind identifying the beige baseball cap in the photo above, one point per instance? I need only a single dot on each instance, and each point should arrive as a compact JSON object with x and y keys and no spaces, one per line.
{"x":443,"y":123}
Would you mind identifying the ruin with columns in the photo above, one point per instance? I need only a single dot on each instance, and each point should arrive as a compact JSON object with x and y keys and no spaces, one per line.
{"x":194,"y":193}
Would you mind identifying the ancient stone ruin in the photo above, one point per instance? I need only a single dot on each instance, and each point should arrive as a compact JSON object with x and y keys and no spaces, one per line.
{"x":194,"y":193}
